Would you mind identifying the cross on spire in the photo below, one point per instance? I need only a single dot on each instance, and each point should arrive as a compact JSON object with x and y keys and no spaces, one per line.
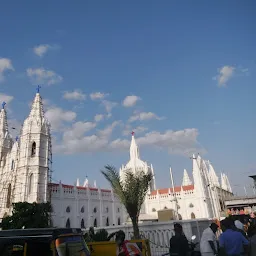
{"x":38,"y":88}
{"x":132,"y":133}
{"x":3,"y":105}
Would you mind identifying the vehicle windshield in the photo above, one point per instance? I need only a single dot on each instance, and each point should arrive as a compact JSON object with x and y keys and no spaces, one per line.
{"x":71,"y":246}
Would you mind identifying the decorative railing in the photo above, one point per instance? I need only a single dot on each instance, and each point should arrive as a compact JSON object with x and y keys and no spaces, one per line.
{"x":160,"y":233}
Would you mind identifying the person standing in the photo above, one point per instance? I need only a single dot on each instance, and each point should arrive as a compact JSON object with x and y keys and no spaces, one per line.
{"x":232,"y":242}
{"x":208,"y":243}
{"x":178,"y":243}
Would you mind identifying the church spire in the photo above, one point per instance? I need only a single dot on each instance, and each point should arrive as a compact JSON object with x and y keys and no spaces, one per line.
{"x":37,"y":106}
{"x":186,"y":180}
{"x":3,"y":122}
{"x":134,"y":150}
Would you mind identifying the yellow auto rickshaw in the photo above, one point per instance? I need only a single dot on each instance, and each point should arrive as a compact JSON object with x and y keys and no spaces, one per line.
{"x":43,"y":242}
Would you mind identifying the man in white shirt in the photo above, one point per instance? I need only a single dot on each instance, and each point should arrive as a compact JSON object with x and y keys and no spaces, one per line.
{"x":208,"y":243}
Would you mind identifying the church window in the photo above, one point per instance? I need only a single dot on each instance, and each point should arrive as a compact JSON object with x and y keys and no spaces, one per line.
{"x":165,"y":208}
{"x":30,"y":183}
{"x":33,"y":150}
{"x":95,"y":223}
{"x":119,"y":221}
{"x":193,"y":216}
{"x":191,"y":205}
{"x":82,"y":209}
{"x":82,"y":223}
{"x":118,"y":210}
{"x":9,"y":191}
{"x":68,"y":209}
{"x":107,"y":209}
{"x":95,"y":210}
{"x":107,"y":222}
{"x":68,"y":223}
{"x":153,"y":210}
{"x":13,"y":165}
{"x":180,"y":217}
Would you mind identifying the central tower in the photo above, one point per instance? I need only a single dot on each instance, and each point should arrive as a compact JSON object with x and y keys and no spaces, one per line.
{"x":136,"y":165}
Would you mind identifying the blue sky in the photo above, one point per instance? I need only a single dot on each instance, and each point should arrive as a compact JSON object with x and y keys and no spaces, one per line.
{"x":190,"y":67}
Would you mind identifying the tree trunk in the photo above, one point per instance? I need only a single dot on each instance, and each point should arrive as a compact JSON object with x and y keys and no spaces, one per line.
{"x":135,"y":225}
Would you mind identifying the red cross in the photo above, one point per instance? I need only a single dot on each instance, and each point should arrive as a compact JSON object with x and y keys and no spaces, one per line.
{"x":132,"y":133}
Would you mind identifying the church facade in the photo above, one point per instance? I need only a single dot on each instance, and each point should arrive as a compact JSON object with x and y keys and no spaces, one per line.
{"x":25,"y":175}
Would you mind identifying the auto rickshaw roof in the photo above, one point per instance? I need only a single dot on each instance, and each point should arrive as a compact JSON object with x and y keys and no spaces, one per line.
{"x":39,"y":232}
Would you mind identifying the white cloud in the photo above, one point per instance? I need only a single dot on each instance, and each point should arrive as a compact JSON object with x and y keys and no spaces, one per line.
{"x":75,"y":139}
{"x":5,"y":98}
{"x":142,"y":116}
{"x":109,"y":105}
{"x":78,"y":130}
{"x":130,"y":101}
{"x":41,"y":49}
{"x":58,"y":116}
{"x":97,"y":95}
{"x":225,"y":74}
{"x":182,"y":142}
{"x":43,"y":76}
{"x":107,"y":131}
{"x":98,"y":117}
{"x":138,"y":130}
{"x":74,"y":95}
{"x":5,"y":65}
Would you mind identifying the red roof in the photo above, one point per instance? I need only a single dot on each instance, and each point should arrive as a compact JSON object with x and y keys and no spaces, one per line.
{"x":176,"y":190}
{"x":78,"y":187}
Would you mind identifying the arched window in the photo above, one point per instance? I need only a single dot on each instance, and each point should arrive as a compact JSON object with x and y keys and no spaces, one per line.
{"x":33,"y":149}
{"x":95,"y":210}
{"x":107,"y":222}
{"x":118,"y":209}
{"x":30,"y":183}
{"x":180,"y":218}
{"x":153,"y":209}
{"x":82,"y":209}
{"x":95,"y":223}
{"x":68,"y":223}
{"x":82,"y":223}
{"x":68,"y":209}
{"x":13,"y":165}
{"x":165,"y":208}
{"x":191,"y":205}
{"x":118,"y":221}
{"x":193,"y":216}
{"x":107,"y":209}
{"x":9,"y":192}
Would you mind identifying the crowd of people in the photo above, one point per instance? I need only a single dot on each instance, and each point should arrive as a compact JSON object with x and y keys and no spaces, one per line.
{"x":232,"y":237}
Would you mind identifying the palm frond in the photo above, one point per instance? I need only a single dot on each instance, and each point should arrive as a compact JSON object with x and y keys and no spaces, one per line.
{"x":112,"y":176}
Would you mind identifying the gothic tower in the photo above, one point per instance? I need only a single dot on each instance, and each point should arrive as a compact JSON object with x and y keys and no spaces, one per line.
{"x":34,"y":156}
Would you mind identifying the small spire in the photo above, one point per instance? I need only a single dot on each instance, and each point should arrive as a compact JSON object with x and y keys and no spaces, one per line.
{"x":186,"y":180}
{"x":3,"y":122}
{"x":94,"y":184}
{"x":134,"y":150}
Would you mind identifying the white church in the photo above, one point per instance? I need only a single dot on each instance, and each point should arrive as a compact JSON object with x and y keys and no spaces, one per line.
{"x":25,"y":175}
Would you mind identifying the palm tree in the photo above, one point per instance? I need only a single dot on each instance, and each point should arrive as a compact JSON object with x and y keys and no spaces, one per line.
{"x":131,"y":191}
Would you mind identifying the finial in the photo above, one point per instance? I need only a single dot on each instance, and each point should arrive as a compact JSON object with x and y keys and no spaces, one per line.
{"x":132,"y":133}
{"x":38,"y":88}
{"x":3,"y":105}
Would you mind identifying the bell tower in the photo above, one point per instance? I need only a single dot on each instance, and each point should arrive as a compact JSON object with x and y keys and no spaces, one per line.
{"x":35,"y":156}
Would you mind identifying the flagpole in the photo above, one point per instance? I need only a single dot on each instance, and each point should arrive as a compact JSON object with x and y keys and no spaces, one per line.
{"x":174,"y":195}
